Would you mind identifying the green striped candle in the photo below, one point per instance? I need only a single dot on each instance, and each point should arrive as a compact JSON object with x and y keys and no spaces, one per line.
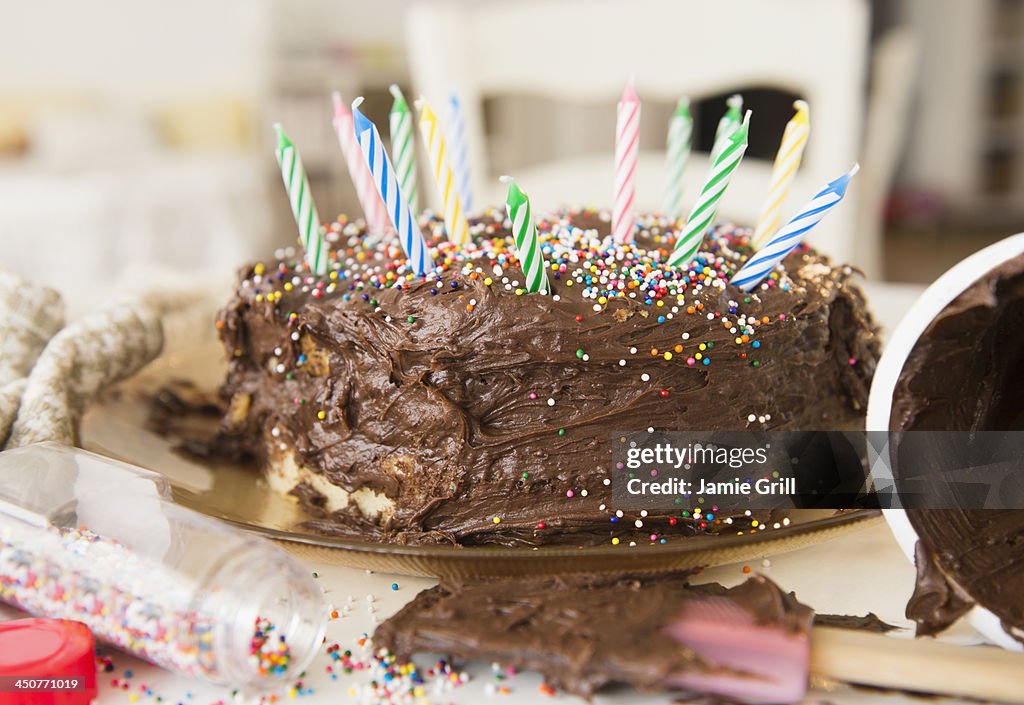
{"x":403,"y":147}
{"x":303,"y":208}
{"x":527,"y":244}
{"x":680,"y":132}
{"x":728,"y":124}
{"x":703,"y":214}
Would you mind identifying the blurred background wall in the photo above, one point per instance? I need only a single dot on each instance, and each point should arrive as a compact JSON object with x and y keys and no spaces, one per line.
{"x":137,"y":133}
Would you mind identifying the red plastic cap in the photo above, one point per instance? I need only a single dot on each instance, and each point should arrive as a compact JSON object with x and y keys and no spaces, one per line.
{"x":55,"y":649}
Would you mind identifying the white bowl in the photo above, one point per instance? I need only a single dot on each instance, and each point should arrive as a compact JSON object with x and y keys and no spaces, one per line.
{"x":900,"y":343}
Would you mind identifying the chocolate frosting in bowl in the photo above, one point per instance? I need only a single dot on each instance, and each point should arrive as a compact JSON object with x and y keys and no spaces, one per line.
{"x":966,"y":373}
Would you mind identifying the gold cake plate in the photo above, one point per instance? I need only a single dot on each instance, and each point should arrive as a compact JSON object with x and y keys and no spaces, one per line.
{"x":116,"y":427}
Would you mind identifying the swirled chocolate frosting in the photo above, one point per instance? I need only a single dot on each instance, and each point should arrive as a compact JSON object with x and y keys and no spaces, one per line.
{"x":458,"y":408}
{"x":966,"y":373}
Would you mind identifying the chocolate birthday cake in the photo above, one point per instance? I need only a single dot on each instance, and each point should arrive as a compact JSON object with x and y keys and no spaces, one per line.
{"x":966,"y":373}
{"x":458,"y":408}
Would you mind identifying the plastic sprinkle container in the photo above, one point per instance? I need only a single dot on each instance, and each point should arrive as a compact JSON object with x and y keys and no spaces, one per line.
{"x":87,"y":538}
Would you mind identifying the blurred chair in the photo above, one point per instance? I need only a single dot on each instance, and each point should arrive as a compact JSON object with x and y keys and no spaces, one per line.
{"x":97,"y":197}
{"x":893,"y":69}
{"x":585,"y":50}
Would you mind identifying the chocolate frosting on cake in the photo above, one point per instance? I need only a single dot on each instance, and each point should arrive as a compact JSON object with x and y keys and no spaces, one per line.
{"x":966,"y":373}
{"x":582,"y":633}
{"x":456,"y":408}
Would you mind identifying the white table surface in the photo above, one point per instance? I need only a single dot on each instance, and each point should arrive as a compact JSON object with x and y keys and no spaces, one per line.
{"x":858,"y":572}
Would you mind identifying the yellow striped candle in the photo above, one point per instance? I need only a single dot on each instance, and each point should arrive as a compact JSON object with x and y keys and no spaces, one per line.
{"x":787,"y":161}
{"x":454,"y":219}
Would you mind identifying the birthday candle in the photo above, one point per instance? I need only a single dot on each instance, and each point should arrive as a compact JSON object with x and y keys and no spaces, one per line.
{"x":525,"y":231}
{"x":787,"y":161}
{"x":789,"y":235}
{"x":703,"y":214}
{"x":727,"y":124}
{"x":454,"y":217}
{"x":303,"y":208}
{"x":373,"y":208}
{"x":627,"y":150}
{"x":384,"y":179}
{"x":403,"y":147}
{"x":680,"y":132}
{"x":460,"y":151}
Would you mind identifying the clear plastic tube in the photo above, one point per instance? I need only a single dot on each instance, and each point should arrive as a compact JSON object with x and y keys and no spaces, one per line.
{"x":88,"y":538}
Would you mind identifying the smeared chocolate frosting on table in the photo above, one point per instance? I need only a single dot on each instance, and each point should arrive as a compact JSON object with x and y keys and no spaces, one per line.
{"x":582,"y":632}
{"x":965,"y":373}
{"x":869,"y":622}
{"x":479,"y":414}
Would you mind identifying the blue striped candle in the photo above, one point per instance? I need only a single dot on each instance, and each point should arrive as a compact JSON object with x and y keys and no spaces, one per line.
{"x":460,"y":151}
{"x":761,"y":264}
{"x":409,"y":233}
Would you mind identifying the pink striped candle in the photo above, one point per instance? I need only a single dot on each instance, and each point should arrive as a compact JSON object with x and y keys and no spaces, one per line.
{"x":627,"y":150}
{"x":373,"y":207}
